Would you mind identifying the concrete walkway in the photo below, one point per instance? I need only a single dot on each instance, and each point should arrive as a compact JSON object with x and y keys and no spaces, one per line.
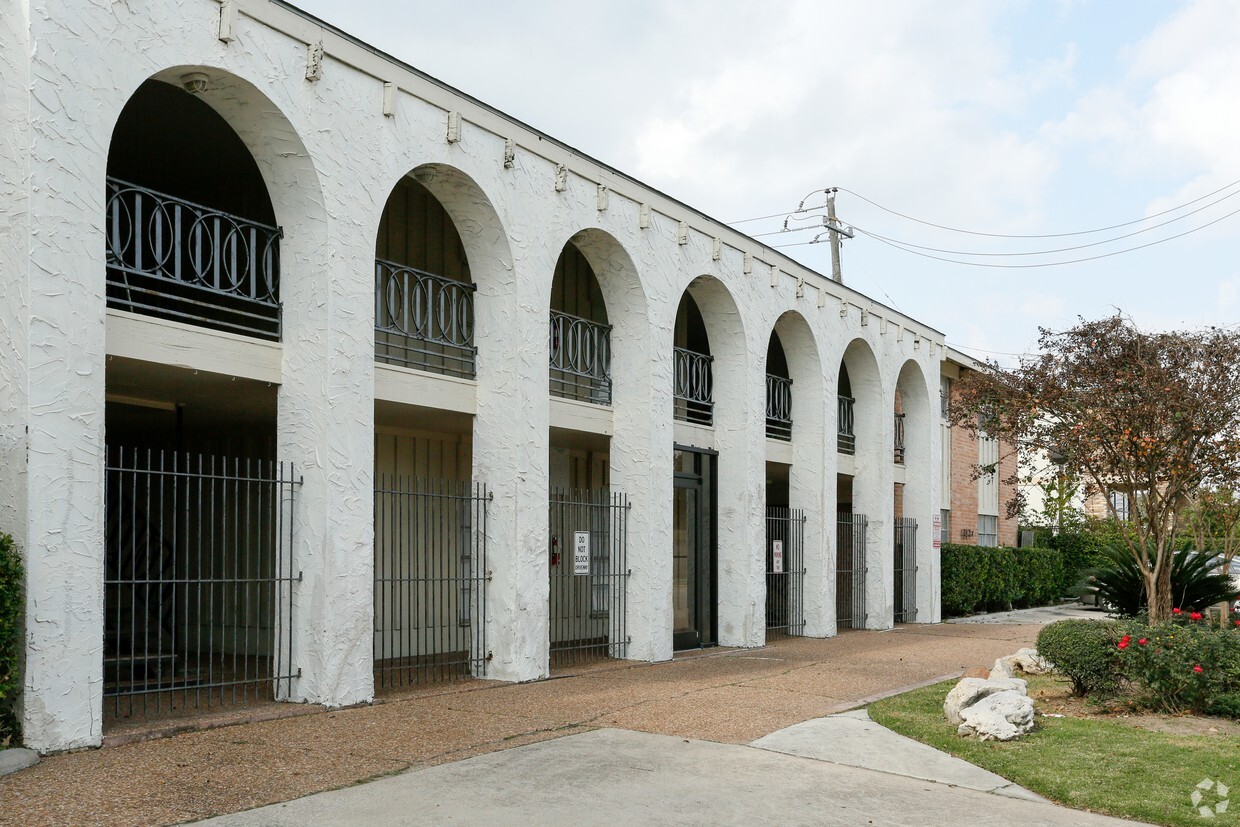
{"x":1040,"y":615}
{"x":730,"y":697}
{"x":613,"y":776}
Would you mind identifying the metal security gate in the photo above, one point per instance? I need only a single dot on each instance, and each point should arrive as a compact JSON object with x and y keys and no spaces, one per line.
{"x":197,"y":581}
{"x":785,"y":570}
{"x":589,"y":575}
{"x":850,"y":570}
{"x":905,"y":591}
{"x":430,"y":580}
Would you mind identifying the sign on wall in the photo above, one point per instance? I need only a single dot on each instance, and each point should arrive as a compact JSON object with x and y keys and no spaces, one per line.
{"x":938,"y":531}
{"x":777,"y":556}
{"x":581,"y":552}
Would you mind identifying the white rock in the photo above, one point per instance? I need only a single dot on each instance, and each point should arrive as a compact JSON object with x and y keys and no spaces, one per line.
{"x":971,"y":690}
{"x":999,"y":717}
{"x":1030,"y":662}
{"x":1002,"y":668}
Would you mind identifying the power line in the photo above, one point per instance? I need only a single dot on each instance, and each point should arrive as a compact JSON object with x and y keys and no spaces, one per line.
{"x":1043,"y":235}
{"x":899,"y":246}
{"x":1047,"y":252}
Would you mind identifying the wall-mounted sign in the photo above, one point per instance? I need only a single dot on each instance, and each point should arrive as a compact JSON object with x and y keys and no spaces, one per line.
{"x":581,"y":552}
{"x":777,"y":556}
{"x":938,"y":531}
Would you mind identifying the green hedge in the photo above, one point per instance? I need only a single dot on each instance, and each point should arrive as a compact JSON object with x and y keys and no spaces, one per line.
{"x":996,"y":579}
{"x":11,"y":608}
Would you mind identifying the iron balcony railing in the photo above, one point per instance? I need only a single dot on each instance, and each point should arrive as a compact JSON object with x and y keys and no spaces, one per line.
{"x":174,"y":259}
{"x":694,"y":387}
{"x":899,"y":439}
{"x":424,"y":321}
{"x":846,"y":442}
{"x":580,"y":359}
{"x":778,"y":407}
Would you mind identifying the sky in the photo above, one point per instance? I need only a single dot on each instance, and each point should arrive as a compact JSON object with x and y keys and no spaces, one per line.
{"x":1000,"y":118}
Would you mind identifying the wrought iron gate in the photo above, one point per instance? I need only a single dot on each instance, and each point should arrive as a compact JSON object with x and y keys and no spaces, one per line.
{"x":197,"y":581}
{"x":430,"y":580}
{"x":905,"y":532}
{"x":589,"y":574}
{"x":850,"y":570}
{"x":785,"y":570}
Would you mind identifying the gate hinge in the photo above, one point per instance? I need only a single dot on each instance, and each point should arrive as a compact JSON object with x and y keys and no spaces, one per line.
{"x":301,"y":576}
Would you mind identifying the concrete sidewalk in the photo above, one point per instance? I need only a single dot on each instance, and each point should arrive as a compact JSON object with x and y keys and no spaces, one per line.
{"x":612,"y":776}
{"x":724,"y":696}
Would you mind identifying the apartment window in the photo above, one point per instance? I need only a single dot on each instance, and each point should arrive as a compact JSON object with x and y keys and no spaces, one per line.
{"x":945,"y":529}
{"x":987,"y":530}
{"x":1120,"y":502}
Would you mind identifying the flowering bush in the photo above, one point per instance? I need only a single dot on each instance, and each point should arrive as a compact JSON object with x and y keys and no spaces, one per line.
{"x":1182,"y":665}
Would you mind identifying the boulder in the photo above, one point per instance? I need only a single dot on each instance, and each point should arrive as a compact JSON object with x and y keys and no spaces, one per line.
{"x":971,"y":690}
{"x":998,"y":717}
{"x":1002,"y":668}
{"x":977,"y":672}
{"x":1030,"y":662}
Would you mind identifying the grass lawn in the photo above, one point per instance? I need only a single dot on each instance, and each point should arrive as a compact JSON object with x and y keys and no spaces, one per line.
{"x":1097,"y":764}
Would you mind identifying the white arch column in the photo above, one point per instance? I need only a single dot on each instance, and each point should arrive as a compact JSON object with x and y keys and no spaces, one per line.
{"x":921,"y":482}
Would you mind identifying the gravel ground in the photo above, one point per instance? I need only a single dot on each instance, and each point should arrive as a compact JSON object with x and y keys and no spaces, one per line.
{"x":725,"y":695}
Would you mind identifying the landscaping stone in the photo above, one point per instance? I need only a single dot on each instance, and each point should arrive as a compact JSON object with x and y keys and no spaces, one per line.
{"x":1002,"y":668}
{"x":1030,"y":662}
{"x":12,"y":760}
{"x":977,"y":672}
{"x":972,"y":690}
{"x":998,"y":717}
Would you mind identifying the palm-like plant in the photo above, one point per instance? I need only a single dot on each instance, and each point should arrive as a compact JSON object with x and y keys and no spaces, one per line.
{"x":1195,"y":582}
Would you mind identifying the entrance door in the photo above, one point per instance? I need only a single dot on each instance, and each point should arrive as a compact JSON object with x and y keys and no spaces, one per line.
{"x":694,"y":608}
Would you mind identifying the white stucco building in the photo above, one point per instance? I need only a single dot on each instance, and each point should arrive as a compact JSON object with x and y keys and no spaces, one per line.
{"x":236,"y":239}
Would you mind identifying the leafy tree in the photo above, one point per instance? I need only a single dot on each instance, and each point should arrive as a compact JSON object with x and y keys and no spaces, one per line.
{"x":1154,"y":415}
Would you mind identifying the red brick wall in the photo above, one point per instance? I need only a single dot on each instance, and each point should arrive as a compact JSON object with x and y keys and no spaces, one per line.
{"x":964,"y":490}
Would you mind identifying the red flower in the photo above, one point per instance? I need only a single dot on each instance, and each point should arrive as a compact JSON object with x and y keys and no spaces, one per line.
{"x":1195,"y":616}
{"x":1177,"y":611}
{"x":1142,"y":641}
{"x":1238,"y":622}
{"x":1198,"y":669}
{"x":1123,"y":642}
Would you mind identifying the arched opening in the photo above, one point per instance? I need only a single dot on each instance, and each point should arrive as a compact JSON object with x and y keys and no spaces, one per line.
{"x":778,"y":391}
{"x":693,"y":373}
{"x":912,"y":494}
{"x":580,"y":337}
{"x":424,"y":296}
{"x":197,"y":563}
{"x":191,"y":232}
{"x":858,"y":488}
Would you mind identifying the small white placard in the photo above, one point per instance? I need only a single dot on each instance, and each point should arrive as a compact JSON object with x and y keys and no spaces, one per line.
{"x":777,"y":556}
{"x":581,"y":552}
{"x":938,"y":531}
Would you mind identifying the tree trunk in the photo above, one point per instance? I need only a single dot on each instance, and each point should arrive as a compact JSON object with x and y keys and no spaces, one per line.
{"x":1158,"y":593}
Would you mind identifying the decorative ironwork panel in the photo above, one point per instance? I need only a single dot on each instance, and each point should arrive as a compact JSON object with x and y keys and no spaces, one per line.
{"x":198,"y":576}
{"x":785,"y":570}
{"x":173,"y":259}
{"x":580,"y":359}
{"x":424,"y":321}
{"x":846,"y":442}
{"x":588,"y":598}
{"x":899,"y":439}
{"x":694,"y":387}
{"x":778,"y":407}
{"x":905,"y":533}
{"x":850,"y":570}
{"x":430,"y":580}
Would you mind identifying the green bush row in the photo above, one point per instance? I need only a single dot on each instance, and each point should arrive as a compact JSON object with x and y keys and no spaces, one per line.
{"x":976,"y":578}
{"x":11,"y":608}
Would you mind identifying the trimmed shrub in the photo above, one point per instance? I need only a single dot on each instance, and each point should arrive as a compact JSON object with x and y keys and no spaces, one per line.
{"x":976,"y":578}
{"x":1085,"y":651}
{"x":11,"y":608}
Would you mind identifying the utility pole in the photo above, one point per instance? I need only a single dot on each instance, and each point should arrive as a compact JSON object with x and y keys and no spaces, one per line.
{"x":834,"y":228}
